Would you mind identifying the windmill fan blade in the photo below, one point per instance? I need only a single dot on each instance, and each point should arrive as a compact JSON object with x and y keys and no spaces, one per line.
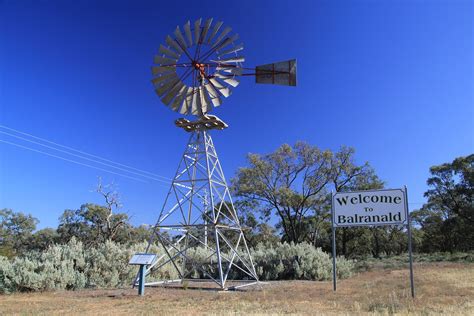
{"x":233,"y":70}
{"x":206,"y":29}
{"x":237,"y":59}
{"x":213,"y":95}
{"x":163,"y":78}
{"x":226,"y":42}
{"x":214,"y":31}
{"x":159,"y":70}
{"x":172,"y":93}
{"x":187,"y":31}
{"x":227,"y":79}
{"x":180,"y":38}
{"x":172,"y":43}
{"x":231,"y":50}
{"x":197,"y":30}
{"x":222,"y":90}
{"x":232,"y":40}
{"x":164,"y":60}
{"x":168,"y":52}
{"x":166,"y":86}
{"x":281,"y":73}
{"x":226,"y":31}
{"x":179,"y":99}
{"x":187,"y":101}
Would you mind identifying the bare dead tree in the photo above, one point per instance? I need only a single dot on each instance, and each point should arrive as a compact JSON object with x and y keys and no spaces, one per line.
{"x":111,"y":222}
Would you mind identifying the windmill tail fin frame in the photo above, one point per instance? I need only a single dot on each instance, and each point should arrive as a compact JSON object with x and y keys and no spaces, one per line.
{"x":280,"y":73}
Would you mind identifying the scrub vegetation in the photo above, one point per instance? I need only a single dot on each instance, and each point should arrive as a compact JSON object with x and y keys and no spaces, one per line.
{"x":73,"y":266}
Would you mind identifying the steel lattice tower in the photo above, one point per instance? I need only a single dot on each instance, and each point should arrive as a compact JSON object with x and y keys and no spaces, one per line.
{"x":192,"y":71}
{"x":198,"y":211}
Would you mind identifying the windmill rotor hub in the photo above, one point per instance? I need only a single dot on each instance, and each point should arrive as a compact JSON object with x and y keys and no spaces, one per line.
{"x":201,"y":68}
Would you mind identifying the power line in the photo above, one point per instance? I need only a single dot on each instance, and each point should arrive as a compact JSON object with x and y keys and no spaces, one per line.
{"x":82,"y":157}
{"x":82,"y":152}
{"x":69,"y":160}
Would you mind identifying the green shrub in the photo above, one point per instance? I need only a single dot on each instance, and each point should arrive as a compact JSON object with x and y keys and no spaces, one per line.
{"x":59,"y":267}
{"x":107,"y":265}
{"x":6,"y":271}
{"x":72,"y":266}
{"x":302,"y":261}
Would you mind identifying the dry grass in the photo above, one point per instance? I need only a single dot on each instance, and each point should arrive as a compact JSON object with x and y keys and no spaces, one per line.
{"x":442,"y":288}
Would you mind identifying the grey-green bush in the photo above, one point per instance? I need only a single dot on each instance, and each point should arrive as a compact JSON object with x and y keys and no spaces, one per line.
{"x":59,"y":267}
{"x":288,"y":261}
{"x":72,"y":266}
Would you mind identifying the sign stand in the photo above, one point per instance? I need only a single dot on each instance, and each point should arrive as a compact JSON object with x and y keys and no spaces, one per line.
{"x":349,"y":224}
{"x":333,"y":249}
{"x":141,"y":282}
{"x":142,"y":259}
{"x":410,"y":253}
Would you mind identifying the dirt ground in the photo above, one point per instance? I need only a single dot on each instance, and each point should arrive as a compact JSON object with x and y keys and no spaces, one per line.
{"x":442,"y":288}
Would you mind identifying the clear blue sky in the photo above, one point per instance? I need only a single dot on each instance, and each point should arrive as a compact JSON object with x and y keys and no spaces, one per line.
{"x":394,"y":79}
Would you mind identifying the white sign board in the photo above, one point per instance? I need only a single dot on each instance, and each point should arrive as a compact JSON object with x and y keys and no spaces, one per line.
{"x":142,"y":258}
{"x":369,"y":208}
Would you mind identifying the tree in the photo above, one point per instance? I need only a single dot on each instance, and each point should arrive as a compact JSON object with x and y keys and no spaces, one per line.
{"x":15,"y":231}
{"x":293,"y":183}
{"x":452,"y":188}
{"x":255,"y":231}
{"x":286,"y":182}
{"x":134,"y":235}
{"x":447,"y":219}
{"x":94,"y":223}
{"x":348,"y":176}
{"x":42,"y":239}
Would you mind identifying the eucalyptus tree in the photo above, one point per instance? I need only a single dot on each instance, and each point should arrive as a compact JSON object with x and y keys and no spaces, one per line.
{"x":93,"y":223}
{"x":16,"y":229}
{"x":293,"y":183}
{"x":447,"y":219}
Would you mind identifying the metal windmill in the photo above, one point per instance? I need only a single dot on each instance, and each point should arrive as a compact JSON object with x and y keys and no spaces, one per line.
{"x":192,"y":71}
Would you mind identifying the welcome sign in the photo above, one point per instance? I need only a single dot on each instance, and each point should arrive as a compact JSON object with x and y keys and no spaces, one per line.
{"x":369,"y":208}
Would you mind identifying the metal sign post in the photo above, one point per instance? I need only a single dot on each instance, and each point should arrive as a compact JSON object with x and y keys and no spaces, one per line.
{"x":333,"y":244}
{"x":141,"y":282}
{"x":410,"y":253}
{"x":371,"y":208}
{"x":142,"y":260}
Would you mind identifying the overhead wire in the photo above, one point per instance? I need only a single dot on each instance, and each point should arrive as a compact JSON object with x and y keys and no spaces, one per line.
{"x":82,"y":157}
{"x":70,"y":160}
{"x":82,"y":152}
{"x":143,"y":174}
